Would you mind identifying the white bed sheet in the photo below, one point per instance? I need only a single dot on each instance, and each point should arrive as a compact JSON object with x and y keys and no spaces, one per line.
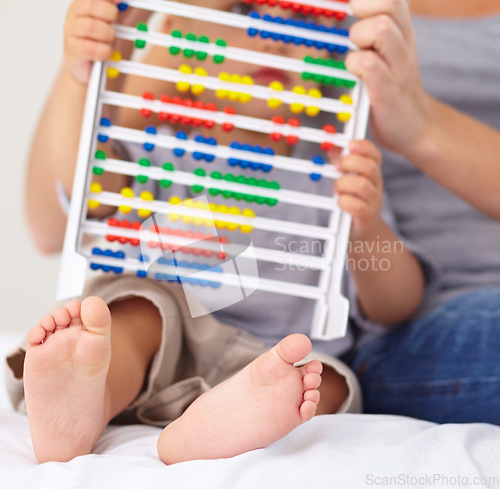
{"x":345,"y":451}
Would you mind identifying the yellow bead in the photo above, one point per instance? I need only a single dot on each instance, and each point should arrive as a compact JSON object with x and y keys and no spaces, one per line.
{"x":174,"y":217}
{"x":183,"y":86}
{"x":247,"y":80}
{"x":312,"y":111}
{"x":144,"y":213}
{"x":96,"y":189}
{"x":346,"y":99}
{"x":186,"y":69}
{"x":224,"y":76}
{"x":245,"y":228}
{"x":127,"y":192}
{"x":315,"y":93}
{"x":274,"y":103}
{"x":234,"y":96}
{"x":297,"y":108}
{"x":276,"y":85}
{"x":235,"y":78}
{"x":248,"y":213}
{"x":148,"y":197}
{"x":300,"y":90}
{"x":232,"y":226}
{"x":114,"y":72}
{"x":221,"y":93}
{"x":197,"y":89}
{"x":174,"y":200}
{"x":213,"y":207}
{"x":245,"y":98}
{"x":200,"y":71}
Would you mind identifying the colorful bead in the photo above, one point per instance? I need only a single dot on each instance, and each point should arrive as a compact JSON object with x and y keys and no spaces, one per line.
{"x":114,"y":72}
{"x":147,"y":197}
{"x":345,"y":116}
{"x":128,"y":193}
{"x":95,"y":188}
{"x":140,"y":44}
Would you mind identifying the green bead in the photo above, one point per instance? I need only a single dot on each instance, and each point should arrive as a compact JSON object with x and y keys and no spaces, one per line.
{"x":318,"y":78}
{"x":174,"y":51}
{"x":142,"y":179}
{"x":214,"y":191}
{"x":100,"y":155}
{"x":272,"y":202}
{"x":168,"y":166}
{"x":177,"y":34}
{"x":218,"y":59}
{"x":144,"y":162}
{"x":249,"y":198}
{"x":191,"y":37}
{"x":221,"y":43}
{"x":274,"y":185}
{"x":262,"y":183}
{"x":229,"y":177}
{"x":242,"y":179}
{"x":238,"y":196}
{"x":204,"y":39}
{"x":165,"y":183}
{"x":260,"y":200}
{"x":140,"y":44}
{"x":188,"y":53}
{"x":349,"y":83}
{"x":200,"y":172}
{"x":97,"y":170}
{"x":201,"y":56}
{"x":252,"y":181}
{"x":227,"y":194}
{"x":305,"y":75}
{"x":309,"y":59}
{"x":217,"y":175}
{"x":197,"y":189}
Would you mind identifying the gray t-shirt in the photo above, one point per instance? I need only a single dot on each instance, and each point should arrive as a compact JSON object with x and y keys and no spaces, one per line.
{"x":459,"y":62}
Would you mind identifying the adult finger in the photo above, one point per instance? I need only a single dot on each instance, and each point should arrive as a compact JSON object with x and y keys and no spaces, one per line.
{"x":396,"y":9}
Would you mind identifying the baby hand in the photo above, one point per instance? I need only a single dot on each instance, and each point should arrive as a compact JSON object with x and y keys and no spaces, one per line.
{"x":387,"y":62}
{"x":88,"y":35}
{"x":360,"y":188}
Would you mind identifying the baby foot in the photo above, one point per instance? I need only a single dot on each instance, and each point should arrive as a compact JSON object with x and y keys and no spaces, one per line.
{"x":67,"y":360}
{"x":254,"y":408}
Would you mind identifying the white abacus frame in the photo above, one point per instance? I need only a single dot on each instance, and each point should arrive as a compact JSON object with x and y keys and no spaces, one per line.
{"x":331,"y":310}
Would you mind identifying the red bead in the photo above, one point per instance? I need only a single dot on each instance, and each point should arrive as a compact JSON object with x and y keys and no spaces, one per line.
{"x":294,"y":122}
{"x":277,"y":119}
{"x":165,"y":99}
{"x":326,"y":146}
{"x":163,"y":116}
{"x":292,"y":140}
{"x":209,"y":124}
{"x":227,"y":127}
{"x":329,"y":128}
{"x":276,"y":136}
{"x":211,"y":107}
{"x":229,"y":110}
{"x":198,"y":122}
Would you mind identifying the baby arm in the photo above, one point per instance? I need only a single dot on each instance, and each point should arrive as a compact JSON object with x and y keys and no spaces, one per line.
{"x":456,"y":150}
{"x":389,"y":279}
{"x":88,"y":37}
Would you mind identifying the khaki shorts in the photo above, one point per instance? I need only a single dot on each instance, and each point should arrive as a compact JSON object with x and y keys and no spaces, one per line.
{"x":195,"y":354}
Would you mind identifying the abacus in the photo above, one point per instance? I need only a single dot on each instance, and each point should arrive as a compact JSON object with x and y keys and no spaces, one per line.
{"x":214,"y":229}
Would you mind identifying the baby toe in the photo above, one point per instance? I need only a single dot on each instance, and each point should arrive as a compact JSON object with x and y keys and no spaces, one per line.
{"x":62,"y":318}
{"x":311,"y":381}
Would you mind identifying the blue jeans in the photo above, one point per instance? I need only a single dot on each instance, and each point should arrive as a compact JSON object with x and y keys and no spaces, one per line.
{"x":443,"y":368}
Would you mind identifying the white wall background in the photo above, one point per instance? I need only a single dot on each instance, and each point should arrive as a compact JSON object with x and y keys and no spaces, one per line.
{"x":31,"y":43}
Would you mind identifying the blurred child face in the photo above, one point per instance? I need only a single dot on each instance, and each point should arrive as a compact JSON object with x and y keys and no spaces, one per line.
{"x":238,"y":38}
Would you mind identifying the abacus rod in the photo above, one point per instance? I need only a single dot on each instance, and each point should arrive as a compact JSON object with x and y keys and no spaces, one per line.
{"x":237,"y":54}
{"x":263,"y":254}
{"x":243,"y":122}
{"x":325,"y":4}
{"x":266,"y":224}
{"x":257,"y":91}
{"x":282,"y":162}
{"x":239,"y":21}
{"x":266,"y":285}
{"x":188,"y":179}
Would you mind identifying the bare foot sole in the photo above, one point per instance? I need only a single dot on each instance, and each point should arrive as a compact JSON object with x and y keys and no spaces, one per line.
{"x":256,"y":407}
{"x":67,"y":360}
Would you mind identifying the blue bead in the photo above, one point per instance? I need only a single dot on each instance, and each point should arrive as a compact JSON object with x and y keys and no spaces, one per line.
{"x":246,"y":147}
{"x":300,"y":23}
{"x":199,"y":139}
{"x":309,"y":43}
{"x":105,"y":122}
{"x":233,"y":162}
{"x":343,"y":32}
{"x":106,"y":268}
{"x":279,"y":20}
{"x":97,"y":251}
{"x":315,"y":177}
{"x":120,"y":254}
{"x":148,"y":147}
{"x":251,"y":32}
{"x":150,"y":130}
{"x":254,"y":14}
{"x":318,"y":160}
{"x":297,"y":41}
{"x":141,"y":274}
{"x":102,"y":138}
{"x":198,"y":156}
{"x":330,"y":48}
{"x":95,"y":266}
{"x":209,"y":158}
{"x":342,"y":49}
{"x":265,"y":34}
{"x":122,"y":6}
{"x":117,"y":270}
{"x":211,"y":141}
{"x":235,"y":145}
{"x":258,"y":149}
{"x":215,"y":285}
{"x":269,"y":151}
{"x":268,"y":18}
{"x":179,"y":152}
{"x":245,"y":164}
{"x":181,"y":135}
{"x":255,"y":166}
{"x":266,"y":168}
{"x":321,"y":28}
{"x":144,"y":258}
{"x":319,"y":45}
{"x":287,"y":39}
